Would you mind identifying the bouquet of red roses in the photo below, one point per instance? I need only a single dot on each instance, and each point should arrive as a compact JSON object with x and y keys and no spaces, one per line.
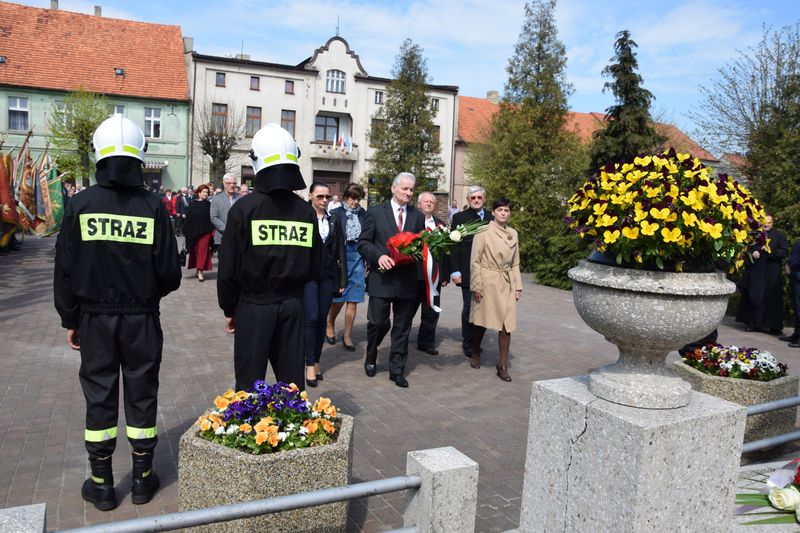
{"x":429,"y":246}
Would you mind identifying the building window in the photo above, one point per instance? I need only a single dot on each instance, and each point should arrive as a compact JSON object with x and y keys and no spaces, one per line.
{"x":379,"y":97}
{"x":253,"y":123}
{"x":437,"y":134}
{"x":288,"y":118}
{"x":152,"y":122}
{"x":220,"y":79}
{"x":17,"y":113}
{"x":219,"y":117}
{"x":326,"y":129}
{"x":335,"y":81}
{"x":255,"y":83}
{"x":117,"y":109}
{"x":435,"y":105}
{"x":288,"y":87}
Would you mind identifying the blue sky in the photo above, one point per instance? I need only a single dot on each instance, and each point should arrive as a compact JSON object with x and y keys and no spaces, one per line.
{"x":682,"y":43}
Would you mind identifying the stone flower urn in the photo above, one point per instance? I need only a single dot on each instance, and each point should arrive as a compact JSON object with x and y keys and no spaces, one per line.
{"x":646,"y":314}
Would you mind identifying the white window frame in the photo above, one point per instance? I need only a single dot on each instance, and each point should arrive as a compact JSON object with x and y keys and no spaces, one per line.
{"x":379,"y":97}
{"x":435,"y":105}
{"x":17,"y":107}
{"x":335,"y":81}
{"x":118,"y":109}
{"x":152,"y":118}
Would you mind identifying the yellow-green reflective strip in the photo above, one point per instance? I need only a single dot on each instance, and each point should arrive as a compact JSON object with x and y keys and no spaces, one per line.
{"x":117,"y":228}
{"x":145,"y":474}
{"x":140,"y":433}
{"x":100,"y":435}
{"x":291,"y":157}
{"x":130,"y":149}
{"x":281,"y":232}
{"x":107,"y":150}
{"x":98,"y":480}
{"x":271,"y":158}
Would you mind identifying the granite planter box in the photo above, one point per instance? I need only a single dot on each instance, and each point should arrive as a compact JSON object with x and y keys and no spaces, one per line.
{"x":746,"y":392}
{"x":210,"y":474}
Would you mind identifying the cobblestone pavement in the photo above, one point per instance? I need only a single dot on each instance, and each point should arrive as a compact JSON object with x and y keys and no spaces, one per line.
{"x":42,"y":458}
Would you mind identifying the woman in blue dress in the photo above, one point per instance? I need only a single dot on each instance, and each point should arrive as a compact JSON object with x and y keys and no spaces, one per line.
{"x":350,"y":216}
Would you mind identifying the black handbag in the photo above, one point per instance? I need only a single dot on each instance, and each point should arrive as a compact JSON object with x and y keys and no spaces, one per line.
{"x":182,"y":257}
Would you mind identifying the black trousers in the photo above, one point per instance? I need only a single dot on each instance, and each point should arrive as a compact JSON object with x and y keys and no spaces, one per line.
{"x":378,"y":325}
{"x":794,"y":285}
{"x":426,"y":336}
{"x":133,"y":344}
{"x":269,"y":332}
{"x":466,"y":327}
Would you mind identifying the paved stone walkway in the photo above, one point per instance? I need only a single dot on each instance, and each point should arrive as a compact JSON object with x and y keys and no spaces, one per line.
{"x":42,"y":457}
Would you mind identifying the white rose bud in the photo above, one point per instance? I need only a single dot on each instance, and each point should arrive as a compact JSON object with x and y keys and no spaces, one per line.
{"x":785,"y":499}
{"x":455,"y":236}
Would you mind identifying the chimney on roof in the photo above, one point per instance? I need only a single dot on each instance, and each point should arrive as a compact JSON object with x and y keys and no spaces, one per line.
{"x":53,"y":4}
{"x":98,"y":11}
{"x":188,"y":45}
{"x":493,"y":97}
{"x":243,"y":57}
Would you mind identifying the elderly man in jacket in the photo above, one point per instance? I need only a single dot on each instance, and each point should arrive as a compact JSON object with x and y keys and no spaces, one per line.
{"x":221,"y":204}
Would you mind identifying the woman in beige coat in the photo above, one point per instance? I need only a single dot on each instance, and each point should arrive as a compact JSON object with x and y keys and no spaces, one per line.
{"x":496,"y":285}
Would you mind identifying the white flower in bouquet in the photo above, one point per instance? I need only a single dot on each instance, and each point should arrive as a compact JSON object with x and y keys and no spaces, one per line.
{"x":219,"y":431}
{"x":455,"y":236}
{"x":785,"y":499}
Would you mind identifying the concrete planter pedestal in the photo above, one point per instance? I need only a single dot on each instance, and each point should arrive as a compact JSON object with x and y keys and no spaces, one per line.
{"x":747,"y":392}
{"x":646,"y":315}
{"x":210,"y":474}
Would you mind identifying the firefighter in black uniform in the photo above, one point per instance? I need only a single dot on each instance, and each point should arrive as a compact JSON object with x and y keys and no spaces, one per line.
{"x":116,"y":257}
{"x":270,"y":249}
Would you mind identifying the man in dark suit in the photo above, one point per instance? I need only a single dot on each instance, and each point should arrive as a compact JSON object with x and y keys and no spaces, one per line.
{"x":793,"y":271}
{"x":426,"y":336}
{"x":460,"y":259}
{"x":391,"y":287}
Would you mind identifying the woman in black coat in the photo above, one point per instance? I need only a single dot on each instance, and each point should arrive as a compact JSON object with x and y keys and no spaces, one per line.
{"x":317,"y":295}
{"x":199,"y":232}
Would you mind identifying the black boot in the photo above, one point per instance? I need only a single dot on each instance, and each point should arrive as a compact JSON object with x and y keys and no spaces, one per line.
{"x":99,"y":489}
{"x":145,"y":480}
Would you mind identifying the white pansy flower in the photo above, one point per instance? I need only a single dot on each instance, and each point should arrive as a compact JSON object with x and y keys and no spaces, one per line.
{"x":303,"y":430}
{"x":232,"y":429}
{"x":290,"y":427}
{"x":282,"y":435}
{"x":219,"y":431}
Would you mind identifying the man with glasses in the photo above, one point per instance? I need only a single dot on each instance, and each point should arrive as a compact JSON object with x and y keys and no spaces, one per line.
{"x":460,"y":259}
{"x":221,"y":204}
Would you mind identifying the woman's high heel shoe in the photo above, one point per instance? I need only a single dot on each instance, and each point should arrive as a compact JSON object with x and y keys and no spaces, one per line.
{"x":475,"y":361}
{"x":348,"y":347}
{"x":200,"y":277}
{"x":311,"y":382}
{"x":502,"y":373}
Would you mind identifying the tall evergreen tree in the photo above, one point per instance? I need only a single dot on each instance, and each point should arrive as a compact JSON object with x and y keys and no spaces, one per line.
{"x":402,"y":132}
{"x":629,"y":127}
{"x":530,"y":157}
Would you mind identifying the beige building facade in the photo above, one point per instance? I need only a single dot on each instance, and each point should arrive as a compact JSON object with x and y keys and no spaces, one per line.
{"x":327,"y":102}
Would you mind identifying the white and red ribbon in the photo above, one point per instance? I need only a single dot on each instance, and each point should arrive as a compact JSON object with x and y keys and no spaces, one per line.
{"x":431,"y":268}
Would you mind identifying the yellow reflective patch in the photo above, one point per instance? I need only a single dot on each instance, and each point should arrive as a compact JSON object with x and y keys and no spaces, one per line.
{"x":271,"y":158}
{"x":140,"y":433}
{"x":130,"y":149}
{"x":100,"y":435}
{"x":291,"y":157}
{"x":117,"y":228}
{"x":281,"y":232}
{"x":107,"y":150}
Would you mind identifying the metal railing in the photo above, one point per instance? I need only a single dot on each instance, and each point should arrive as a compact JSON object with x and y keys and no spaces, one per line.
{"x":777,"y":440}
{"x":225,"y":513}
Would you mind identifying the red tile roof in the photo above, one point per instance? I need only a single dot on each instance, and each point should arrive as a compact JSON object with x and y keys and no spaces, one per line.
{"x":59,"y":50}
{"x":737,"y":160}
{"x":475,"y":114}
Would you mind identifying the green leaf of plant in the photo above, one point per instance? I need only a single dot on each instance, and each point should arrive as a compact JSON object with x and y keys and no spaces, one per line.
{"x":718,"y":245}
{"x":785,"y":518}
{"x":619,"y":259}
{"x":660,"y":262}
{"x":752,"y":499}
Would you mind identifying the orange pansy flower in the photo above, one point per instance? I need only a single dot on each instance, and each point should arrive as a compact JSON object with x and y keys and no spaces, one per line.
{"x":261,"y":437}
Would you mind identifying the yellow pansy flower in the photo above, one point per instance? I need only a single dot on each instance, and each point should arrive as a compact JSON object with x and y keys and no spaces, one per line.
{"x":682,"y":157}
{"x":630,"y":233}
{"x":672,"y":235}
{"x":643,"y":161}
{"x":740,"y":235}
{"x":659,"y":213}
{"x":693,"y":199}
{"x":727,"y":211}
{"x":639,"y":215}
{"x":599,"y":209}
{"x":610,"y":237}
{"x":605,"y":220}
{"x":651,"y":191}
{"x":690,"y":219}
{"x":647,"y":228}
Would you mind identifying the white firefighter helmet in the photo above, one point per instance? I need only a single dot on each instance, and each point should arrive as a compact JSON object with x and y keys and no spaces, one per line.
{"x":275,"y":152}
{"x":118,"y":136}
